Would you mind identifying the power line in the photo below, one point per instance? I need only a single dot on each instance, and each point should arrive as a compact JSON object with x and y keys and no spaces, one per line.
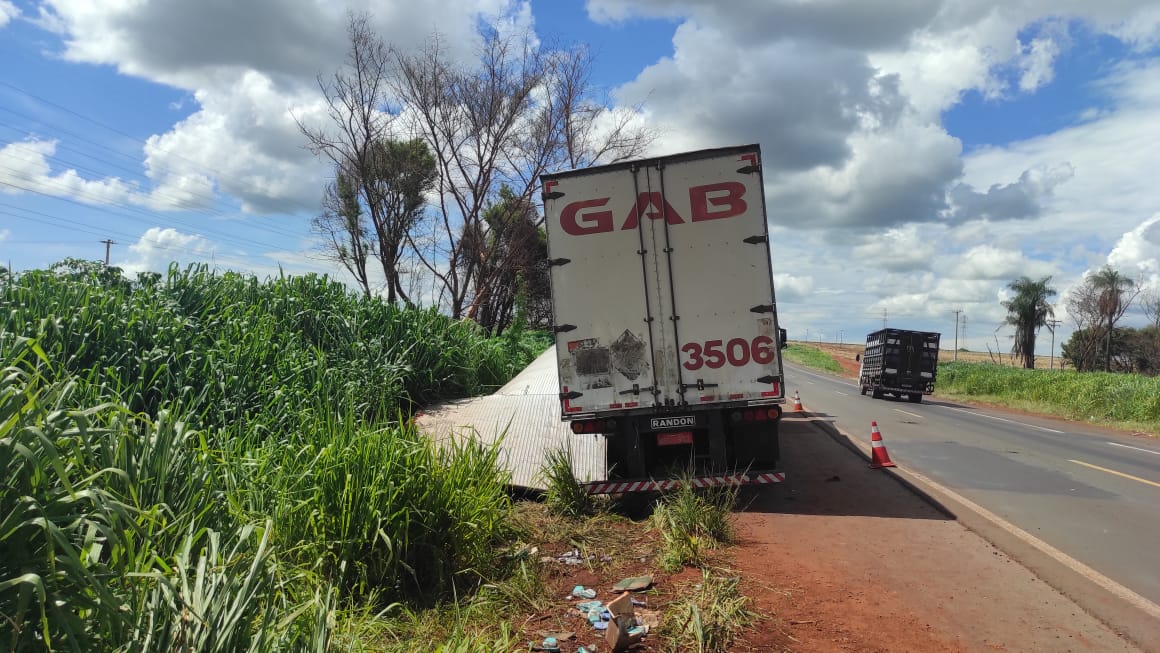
{"x":204,"y":211}
{"x":216,"y":173}
{"x":147,"y":218}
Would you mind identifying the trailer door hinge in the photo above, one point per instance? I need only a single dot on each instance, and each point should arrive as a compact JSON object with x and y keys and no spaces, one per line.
{"x":559,"y":261}
{"x":562,"y":328}
{"x":769,"y":378}
{"x":745,"y":170}
{"x":570,"y":395}
{"x":554,"y":195}
{"x":636,"y":390}
{"x":762,"y":308}
{"x":753,"y":240}
{"x":700,"y":385}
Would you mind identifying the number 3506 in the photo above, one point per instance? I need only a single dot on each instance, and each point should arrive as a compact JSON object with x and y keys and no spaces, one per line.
{"x":738,"y":352}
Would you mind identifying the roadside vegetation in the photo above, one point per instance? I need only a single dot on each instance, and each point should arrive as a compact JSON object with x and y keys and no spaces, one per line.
{"x":213,"y":462}
{"x":810,"y":357}
{"x":1130,"y":401}
{"x":1120,"y":400}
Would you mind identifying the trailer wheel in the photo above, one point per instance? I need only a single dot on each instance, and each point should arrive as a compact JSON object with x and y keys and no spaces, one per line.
{"x":915,"y":397}
{"x":863,"y":390}
{"x":877,"y":394}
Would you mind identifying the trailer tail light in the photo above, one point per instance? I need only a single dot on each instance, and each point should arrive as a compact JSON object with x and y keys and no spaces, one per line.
{"x":759,"y":414}
{"x":585,"y":426}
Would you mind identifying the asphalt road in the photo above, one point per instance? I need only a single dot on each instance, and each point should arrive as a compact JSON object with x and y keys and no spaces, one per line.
{"x":1092,"y":495}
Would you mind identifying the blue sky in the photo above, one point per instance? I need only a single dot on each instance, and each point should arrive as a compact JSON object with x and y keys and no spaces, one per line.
{"x":919,"y":155}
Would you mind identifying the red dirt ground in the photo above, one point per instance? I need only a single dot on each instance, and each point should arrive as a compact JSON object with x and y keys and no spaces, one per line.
{"x":844,"y":558}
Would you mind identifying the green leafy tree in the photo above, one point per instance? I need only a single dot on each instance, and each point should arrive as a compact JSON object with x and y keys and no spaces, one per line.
{"x":1116,"y":293}
{"x":1028,"y":311}
{"x":344,"y":225}
{"x":511,"y":253}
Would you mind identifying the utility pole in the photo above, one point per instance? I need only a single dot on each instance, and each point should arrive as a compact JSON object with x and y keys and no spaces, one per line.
{"x":956,"y":312}
{"x":965,"y":330}
{"x":1051,"y":324}
{"x":884,"y":318}
{"x":108,"y":244}
{"x":841,"y":336}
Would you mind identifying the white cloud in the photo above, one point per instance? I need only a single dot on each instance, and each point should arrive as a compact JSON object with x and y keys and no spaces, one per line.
{"x":993,"y":263}
{"x":898,"y":249}
{"x":792,"y":288}
{"x":1137,"y":254}
{"x":25,"y":167}
{"x":158,"y":246}
{"x":8,"y":12}
{"x":28,"y":167}
{"x":1037,"y":63}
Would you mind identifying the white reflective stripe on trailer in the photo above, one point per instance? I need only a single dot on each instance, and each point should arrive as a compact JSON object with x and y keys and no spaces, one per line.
{"x":621,"y":487}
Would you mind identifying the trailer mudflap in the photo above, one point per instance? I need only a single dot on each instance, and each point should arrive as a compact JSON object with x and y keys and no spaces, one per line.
{"x":661,"y":485}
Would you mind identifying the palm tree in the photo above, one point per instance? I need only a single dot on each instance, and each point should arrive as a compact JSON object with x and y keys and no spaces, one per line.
{"x":1115,"y":294}
{"x":1028,"y":311}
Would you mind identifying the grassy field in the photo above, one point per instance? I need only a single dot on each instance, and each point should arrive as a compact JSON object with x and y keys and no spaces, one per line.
{"x":1124,"y":401}
{"x":811,"y":357}
{"x":217,"y":463}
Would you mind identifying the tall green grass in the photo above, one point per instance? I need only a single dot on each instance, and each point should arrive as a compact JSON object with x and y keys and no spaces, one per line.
{"x":216,"y":463}
{"x":692,"y":522}
{"x":1097,"y":396}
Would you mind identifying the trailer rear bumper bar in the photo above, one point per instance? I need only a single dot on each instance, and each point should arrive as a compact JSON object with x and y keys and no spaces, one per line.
{"x":650,"y":485}
{"x":925,"y":391}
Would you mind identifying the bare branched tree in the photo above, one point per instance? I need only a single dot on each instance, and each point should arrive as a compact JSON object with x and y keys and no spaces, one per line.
{"x":377,"y":195}
{"x":1150,"y":303}
{"x":517,"y":111}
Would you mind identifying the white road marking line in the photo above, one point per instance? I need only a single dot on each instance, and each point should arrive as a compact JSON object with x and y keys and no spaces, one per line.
{"x":810,"y":382}
{"x":898,"y":410}
{"x":841,"y":393}
{"x":1002,"y":419}
{"x":1126,"y":446}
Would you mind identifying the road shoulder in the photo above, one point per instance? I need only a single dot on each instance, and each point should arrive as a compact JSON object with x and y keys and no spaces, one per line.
{"x":850,"y":559}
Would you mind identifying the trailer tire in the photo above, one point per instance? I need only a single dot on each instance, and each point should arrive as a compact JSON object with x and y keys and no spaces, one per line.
{"x":863,"y":390}
{"x":877,"y":394}
{"x":915,"y":397}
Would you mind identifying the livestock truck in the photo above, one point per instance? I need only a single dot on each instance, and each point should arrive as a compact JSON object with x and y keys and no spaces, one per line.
{"x":665,"y":320}
{"x":899,"y":362}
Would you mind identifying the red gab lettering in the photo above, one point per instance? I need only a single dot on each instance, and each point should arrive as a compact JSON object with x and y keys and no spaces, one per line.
{"x":708,"y":202}
{"x":728,"y":194}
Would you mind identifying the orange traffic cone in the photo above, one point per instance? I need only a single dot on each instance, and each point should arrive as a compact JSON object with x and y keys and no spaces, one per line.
{"x":878,"y":456}
{"x":797,"y":403}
